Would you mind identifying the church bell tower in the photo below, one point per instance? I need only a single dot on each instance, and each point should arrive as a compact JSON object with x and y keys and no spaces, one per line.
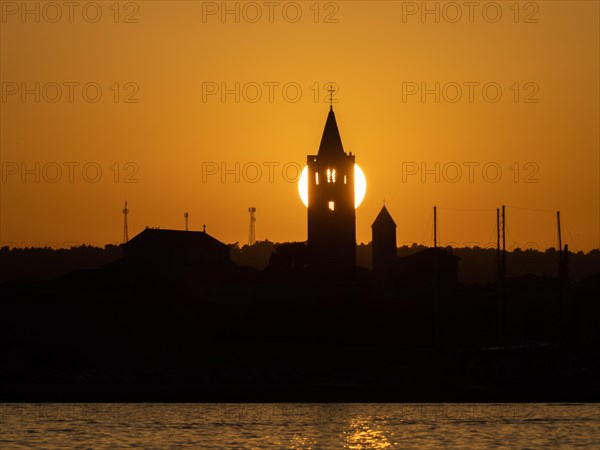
{"x":331,"y":211}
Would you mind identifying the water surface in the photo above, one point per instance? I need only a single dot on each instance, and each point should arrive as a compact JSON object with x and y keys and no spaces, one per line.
{"x":299,"y":426}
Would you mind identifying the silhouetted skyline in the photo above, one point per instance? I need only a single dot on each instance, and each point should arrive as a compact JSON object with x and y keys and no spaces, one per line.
{"x":333,"y":203}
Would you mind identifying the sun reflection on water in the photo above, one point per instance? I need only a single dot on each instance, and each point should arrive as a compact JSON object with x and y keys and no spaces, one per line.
{"x":302,"y":443}
{"x":364,"y":433}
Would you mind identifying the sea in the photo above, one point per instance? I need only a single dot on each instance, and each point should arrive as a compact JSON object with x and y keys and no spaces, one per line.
{"x":299,"y":426}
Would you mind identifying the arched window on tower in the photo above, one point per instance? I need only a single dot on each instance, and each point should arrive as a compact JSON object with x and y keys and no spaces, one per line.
{"x":331,"y":175}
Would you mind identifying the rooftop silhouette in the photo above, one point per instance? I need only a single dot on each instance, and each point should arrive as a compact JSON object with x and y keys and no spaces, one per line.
{"x":181,"y":316}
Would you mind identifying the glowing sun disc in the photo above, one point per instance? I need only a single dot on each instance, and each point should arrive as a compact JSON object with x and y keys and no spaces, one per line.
{"x":360,"y":186}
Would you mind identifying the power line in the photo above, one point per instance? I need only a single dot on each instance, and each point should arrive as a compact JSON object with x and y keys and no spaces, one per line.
{"x":465,"y":209}
{"x":531,"y":209}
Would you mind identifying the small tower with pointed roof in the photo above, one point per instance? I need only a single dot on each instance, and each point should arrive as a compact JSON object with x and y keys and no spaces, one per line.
{"x":331,"y":212}
{"x":383,"y":245}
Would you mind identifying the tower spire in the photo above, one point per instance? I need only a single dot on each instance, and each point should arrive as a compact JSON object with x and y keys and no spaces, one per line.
{"x":331,"y":202}
{"x":331,"y":141}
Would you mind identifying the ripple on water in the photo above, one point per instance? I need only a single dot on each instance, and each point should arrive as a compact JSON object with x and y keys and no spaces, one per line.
{"x":301,"y":426}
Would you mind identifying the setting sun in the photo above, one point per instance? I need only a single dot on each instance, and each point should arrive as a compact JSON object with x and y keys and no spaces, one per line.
{"x":360,"y":186}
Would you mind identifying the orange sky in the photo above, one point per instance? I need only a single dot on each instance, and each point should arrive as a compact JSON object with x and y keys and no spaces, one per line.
{"x":543,"y":132}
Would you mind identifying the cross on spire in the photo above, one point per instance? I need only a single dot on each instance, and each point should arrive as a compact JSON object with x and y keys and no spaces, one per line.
{"x":331,"y":90}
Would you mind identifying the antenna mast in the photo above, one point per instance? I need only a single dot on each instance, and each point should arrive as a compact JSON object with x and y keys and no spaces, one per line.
{"x":503,"y":241}
{"x":435,"y":227}
{"x":498,"y":243}
{"x":559,"y":235}
{"x":251,"y":234}
{"x":125,"y":231}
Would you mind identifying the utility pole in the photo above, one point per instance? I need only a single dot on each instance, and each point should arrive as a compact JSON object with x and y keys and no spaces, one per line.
{"x":559,"y":236}
{"x":436,"y":281}
{"x":561,"y":282}
{"x":251,"y":232}
{"x":504,"y":315}
{"x":498,"y":243}
{"x":503,"y":241}
{"x":435,"y":227}
{"x":185,"y":216}
{"x":500,"y":282}
{"x":125,"y":230}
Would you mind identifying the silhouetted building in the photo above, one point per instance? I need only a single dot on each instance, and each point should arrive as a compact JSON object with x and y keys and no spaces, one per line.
{"x":331,"y":213}
{"x":154,"y":246}
{"x":384,"y":241}
{"x":430,"y":266}
{"x":427,"y":267}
